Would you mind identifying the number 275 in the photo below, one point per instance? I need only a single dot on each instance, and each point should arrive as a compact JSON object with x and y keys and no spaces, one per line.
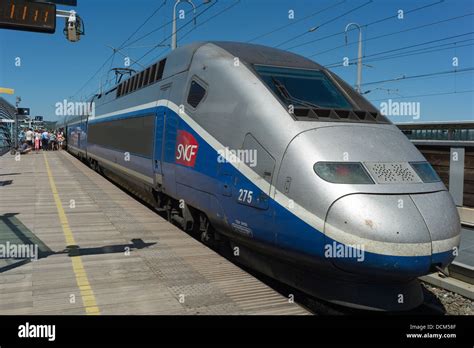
{"x":245,"y":196}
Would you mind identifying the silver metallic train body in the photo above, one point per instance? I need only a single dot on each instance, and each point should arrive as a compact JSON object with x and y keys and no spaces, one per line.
{"x":337,"y":201}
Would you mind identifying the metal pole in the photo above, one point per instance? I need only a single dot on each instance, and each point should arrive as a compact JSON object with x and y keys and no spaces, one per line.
{"x":16,"y":130}
{"x":359,"y":55}
{"x":173,"y":33}
{"x":15,"y":142}
{"x":359,"y":63}
{"x":174,"y":39}
{"x":456,"y":174}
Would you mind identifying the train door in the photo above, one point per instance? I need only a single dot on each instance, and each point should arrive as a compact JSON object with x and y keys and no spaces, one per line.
{"x":159,"y":135}
{"x":248,"y":205}
{"x":168,"y":144}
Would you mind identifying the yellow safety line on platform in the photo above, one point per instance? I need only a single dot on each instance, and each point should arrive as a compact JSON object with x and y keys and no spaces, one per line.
{"x":87,"y":294}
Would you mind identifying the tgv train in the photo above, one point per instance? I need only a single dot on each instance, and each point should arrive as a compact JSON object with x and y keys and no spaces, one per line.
{"x":278,"y":159}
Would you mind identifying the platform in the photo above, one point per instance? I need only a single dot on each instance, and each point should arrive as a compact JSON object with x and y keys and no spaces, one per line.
{"x":462,"y":267}
{"x":102,"y":252}
{"x":467,"y":216}
{"x":461,"y":271}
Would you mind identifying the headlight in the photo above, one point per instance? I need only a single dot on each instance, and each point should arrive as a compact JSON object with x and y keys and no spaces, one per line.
{"x":343,"y":172}
{"x":425,"y":171}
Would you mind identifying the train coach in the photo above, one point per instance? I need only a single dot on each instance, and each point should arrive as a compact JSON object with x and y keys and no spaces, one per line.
{"x":271,"y":155}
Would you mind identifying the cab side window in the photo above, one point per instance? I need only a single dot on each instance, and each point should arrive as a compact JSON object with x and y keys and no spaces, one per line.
{"x":196,"y":94}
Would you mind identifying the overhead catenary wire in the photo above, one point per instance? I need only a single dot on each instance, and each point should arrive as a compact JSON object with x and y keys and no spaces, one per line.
{"x":144,"y":23}
{"x":165,"y":25}
{"x":366,"y":25}
{"x":403,"y":78}
{"x":336,"y":64}
{"x":124,"y":45}
{"x":235,"y":3}
{"x":324,"y":23}
{"x":129,"y":45}
{"x":136,"y":61}
{"x":296,"y":21}
{"x":93,"y":75}
{"x":396,"y":33}
{"x":179,"y":29}
{"x":424,"y":95}
{"x":420,"y":51}
{"x":377,"y":21}
{"x":113,"y":53}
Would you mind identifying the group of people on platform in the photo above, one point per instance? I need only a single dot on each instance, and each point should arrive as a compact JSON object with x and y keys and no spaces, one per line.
{"x":40,"y":139}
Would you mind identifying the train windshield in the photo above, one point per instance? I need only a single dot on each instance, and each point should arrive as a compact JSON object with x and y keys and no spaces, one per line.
{"x":302,"y":87}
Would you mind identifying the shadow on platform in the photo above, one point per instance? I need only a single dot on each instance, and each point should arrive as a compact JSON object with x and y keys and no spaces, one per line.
{"x":18,"y":245}
{"x":76,"y":250}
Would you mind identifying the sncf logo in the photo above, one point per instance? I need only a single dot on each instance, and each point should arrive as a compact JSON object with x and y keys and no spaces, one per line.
{"x":186,"y":148}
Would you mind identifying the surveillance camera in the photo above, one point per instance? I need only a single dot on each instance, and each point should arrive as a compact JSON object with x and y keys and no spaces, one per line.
{"x":72,"y":29}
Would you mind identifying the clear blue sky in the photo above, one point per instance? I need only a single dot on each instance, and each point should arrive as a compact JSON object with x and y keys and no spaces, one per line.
{"x":53,"y":69}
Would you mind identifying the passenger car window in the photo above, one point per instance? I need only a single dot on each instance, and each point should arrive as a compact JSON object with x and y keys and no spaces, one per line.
{"x":196,"y":94}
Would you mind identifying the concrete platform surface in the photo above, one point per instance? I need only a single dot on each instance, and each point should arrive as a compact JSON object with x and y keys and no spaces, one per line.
{"x":99,"y":251}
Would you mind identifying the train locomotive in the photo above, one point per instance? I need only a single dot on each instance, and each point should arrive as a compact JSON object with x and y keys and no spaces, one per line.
{"x":278,"y":159}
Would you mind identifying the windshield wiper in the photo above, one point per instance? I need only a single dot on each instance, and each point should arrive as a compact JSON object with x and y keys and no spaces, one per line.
{"x":286,"y":94}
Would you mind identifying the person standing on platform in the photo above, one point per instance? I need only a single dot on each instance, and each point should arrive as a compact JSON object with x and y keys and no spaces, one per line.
{"x":37,"y":141}
{"x":45,"y":140}
{"x":60,"y":140}
{"x":22,"y":136}
{"x":52,"y":141}
{"x":29,"y":137}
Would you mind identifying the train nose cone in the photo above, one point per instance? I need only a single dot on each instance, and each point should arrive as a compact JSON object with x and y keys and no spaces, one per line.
{"x":399,"y":236}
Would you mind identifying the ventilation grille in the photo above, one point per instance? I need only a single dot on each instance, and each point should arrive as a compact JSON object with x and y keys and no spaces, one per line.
{"x":392,"y":173}
{"x":323,"y":114}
